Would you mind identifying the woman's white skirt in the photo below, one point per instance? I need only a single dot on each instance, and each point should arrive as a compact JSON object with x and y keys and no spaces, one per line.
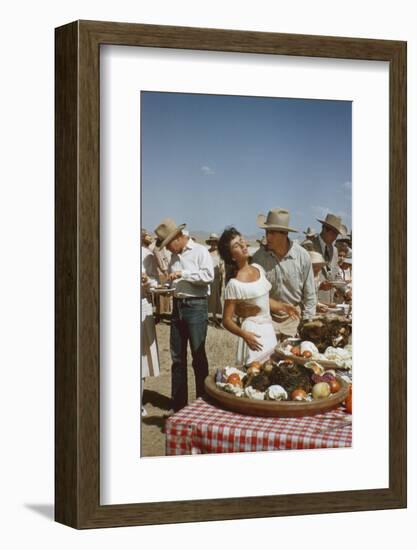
{"x":266,"y":335}
{"x":149,"y":345}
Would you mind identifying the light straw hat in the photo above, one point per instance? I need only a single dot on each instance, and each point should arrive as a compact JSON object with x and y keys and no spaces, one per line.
{"x":277,"y":220}
{"x":213,"y":237}
{"x":167,"y":230}
{"x":335,"y":222}
{"x":316,"y":258}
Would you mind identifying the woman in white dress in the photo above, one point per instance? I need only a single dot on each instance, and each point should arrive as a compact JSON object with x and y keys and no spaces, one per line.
{"x":149,"y":347}
{"x":248,"y":284}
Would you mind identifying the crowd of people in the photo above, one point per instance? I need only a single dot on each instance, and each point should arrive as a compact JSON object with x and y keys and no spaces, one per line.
{"x":259,"y":298}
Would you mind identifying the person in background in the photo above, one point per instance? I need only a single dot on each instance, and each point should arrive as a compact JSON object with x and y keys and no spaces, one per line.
{"x":163,"y":302}
{"x":214,"y":300}
{"x":345,"y":295}
{"x":190,"y":272}
{"x":307,"y":245}
{"x":344,"y":244}
{"x":318,"y":262}
{"x":332,"y":227}
{"x":262,"y":242}
{"x":149,"y":346}
{"x":288,"y":268}
{"x":309,"y":233}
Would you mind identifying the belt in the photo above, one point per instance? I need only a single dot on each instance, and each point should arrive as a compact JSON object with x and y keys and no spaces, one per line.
{"x":189,"y":298}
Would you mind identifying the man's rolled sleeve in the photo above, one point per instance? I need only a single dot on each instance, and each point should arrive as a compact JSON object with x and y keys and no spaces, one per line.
{"x":309,"y":294}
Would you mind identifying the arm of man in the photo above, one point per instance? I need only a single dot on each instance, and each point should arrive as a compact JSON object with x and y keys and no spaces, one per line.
{"x":309,"y":291}
{"x":279,"y":307}
{"x":204,"y":272}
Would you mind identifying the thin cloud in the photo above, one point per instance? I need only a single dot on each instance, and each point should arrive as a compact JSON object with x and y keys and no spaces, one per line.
{"x":207,"y":171}
{"x":347,"y":186}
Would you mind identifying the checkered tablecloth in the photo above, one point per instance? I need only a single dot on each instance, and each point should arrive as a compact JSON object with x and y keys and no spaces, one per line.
{"x":202,"y":428}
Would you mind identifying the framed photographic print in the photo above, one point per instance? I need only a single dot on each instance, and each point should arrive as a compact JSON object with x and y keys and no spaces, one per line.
{"x":172,"y":136}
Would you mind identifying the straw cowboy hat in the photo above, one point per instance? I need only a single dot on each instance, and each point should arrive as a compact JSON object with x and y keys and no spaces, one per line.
{"x":213,"y":237}
{"x":145,"y":235}
{"x":167,"y":230}
{"x":262,"y":241}
{"x":335,"y":222}
{"x":316,"y":258}
{"x":277,"y":220}
{"x":307,"y":244}
{"x":309,"y":232}
{"x":345,"y":238}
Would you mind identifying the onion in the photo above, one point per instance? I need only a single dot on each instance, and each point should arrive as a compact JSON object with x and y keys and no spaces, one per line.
{"x":321,"y":390}
{"x":334,"y":386}
{"x":299,"y":395}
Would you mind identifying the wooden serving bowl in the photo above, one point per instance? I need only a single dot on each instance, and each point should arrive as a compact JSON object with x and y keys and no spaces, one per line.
{"x":253,"y":407}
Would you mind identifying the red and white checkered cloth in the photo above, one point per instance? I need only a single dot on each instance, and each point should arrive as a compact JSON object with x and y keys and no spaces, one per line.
{"x":202,"y":428}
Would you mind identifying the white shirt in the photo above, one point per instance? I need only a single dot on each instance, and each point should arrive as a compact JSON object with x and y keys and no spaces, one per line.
{"x":196,"y":266}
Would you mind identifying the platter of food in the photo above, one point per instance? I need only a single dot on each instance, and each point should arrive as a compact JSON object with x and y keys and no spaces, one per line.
{"x":341,"y":309}
{"x":162,"y":290}
{"x":327,"y":331}
{"x":338,"y":283}
{"x":304,"y":352}
{"x":277,"y":388}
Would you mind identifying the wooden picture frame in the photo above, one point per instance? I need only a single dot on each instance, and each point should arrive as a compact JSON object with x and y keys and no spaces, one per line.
{"x":77,"y":372}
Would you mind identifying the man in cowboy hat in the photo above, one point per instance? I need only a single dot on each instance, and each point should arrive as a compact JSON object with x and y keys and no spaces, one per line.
{"x":309,"y":233}
{"x":215,"y":307}
{"x":344,"y":244}
{"x":262,"y":242}
{"x":307,"y":242}
{"x":191,"y":271}
{"x":332,"y":227}
{"x":288,"y":268}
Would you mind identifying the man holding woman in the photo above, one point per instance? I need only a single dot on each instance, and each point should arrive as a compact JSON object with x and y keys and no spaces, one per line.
{"x":288,"y":268}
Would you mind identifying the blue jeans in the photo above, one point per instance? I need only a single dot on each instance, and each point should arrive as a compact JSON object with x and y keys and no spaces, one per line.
{"x":188,"y":324}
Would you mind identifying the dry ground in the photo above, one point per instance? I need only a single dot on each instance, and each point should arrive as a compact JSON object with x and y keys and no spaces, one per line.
{"x":221,"y":351}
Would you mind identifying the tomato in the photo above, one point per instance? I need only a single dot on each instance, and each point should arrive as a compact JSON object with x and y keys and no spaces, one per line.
{"x":307,"y":354}
{"x":348,"y":401}
{"x":234,"y":379}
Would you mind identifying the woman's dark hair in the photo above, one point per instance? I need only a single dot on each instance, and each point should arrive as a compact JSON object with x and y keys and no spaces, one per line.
{"x":224,"y":250}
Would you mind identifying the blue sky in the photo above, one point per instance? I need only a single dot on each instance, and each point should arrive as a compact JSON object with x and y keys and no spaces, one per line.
{"x":212,"y":161}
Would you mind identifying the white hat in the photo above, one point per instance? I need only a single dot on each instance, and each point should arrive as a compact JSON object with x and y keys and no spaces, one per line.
{"x":316,"y":258}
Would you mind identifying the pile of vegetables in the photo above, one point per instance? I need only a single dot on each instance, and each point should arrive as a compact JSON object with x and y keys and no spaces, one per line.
{"x":279,"y":381}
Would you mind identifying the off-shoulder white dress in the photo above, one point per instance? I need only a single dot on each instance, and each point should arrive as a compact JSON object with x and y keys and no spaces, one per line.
{"x":254,"y":293}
